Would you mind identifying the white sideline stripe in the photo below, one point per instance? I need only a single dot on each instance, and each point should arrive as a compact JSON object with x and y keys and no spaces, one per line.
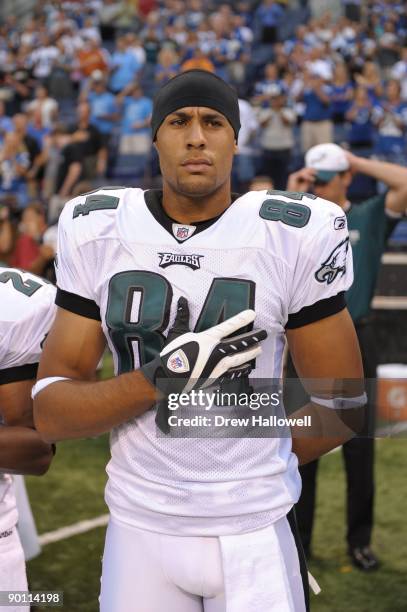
{"x":71,"y":530}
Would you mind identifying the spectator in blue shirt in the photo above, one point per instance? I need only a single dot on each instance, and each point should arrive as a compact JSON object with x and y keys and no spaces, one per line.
{"x":14,"y":164}
{"x":103,"y":106}
{"x":195,"y":14}
{"x":370,"y":78}
{"x":342,"y":93}
{"x":360,"y":120}
{"x":391,"y":121}
{"x":36,"y":129}
{"x":6,"y":124}
{"x":399,"y":72}
{"x":167,"y":66}
{"x":125,"y":66}
{"x":317,"y":126}
{"x":268,"y":16}
{"x":135,"y":136}
{"x":265,"y":89}
{"x":223,"y":51}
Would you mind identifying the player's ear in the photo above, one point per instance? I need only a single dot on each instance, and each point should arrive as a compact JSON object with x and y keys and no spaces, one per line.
{"x":347,"y":178}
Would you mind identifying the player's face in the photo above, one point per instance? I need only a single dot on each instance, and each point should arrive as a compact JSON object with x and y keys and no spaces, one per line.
{"x":196,"y":146}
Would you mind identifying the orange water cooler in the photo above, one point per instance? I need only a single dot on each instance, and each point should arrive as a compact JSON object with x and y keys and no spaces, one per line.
{"x":392,"y":392}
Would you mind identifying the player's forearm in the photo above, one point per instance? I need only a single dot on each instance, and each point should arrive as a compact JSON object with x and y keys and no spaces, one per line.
{"x":6,"y":237}
{"x":76,"y":409}
{"x":325,"y":99}
{"x":393,"y":175}
{"x":22,"y":451}
{"x":309,"y":449}
{"x":101,"y":161}
{"x":37,"y":265}
{"x":73,"y":175}
{"x":329,"y":428}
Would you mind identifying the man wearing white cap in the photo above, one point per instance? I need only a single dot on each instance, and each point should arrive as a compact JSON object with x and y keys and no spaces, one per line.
{"x":328,"y":173}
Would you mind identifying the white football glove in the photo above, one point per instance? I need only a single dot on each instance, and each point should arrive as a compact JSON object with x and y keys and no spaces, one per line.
{"x":192,"y":360}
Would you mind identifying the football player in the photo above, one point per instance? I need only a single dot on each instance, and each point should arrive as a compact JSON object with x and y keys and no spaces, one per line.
{"x":197,"y":523}
{"x":27,"y":310}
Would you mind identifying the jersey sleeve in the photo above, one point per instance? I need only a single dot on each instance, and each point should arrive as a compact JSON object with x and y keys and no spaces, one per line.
{"x":323,"y":271}
{"x":25,"y":320}
{"x":74,"y":287}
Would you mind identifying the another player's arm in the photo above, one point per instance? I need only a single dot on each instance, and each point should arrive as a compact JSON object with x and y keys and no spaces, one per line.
{"x":392,"y":175}
{"x":22,"y":451}
{"x":326,"y":353}
{"x":73,"y":174}
{"x":78,"y":408}
{"x":16,"y":406}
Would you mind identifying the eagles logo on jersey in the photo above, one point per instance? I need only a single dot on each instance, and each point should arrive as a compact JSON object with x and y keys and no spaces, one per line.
{"x":335,"y":264}
{"x":172,"y":259}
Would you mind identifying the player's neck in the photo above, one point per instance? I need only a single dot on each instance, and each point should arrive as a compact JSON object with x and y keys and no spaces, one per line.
{"x":187,"y":209}
{"x":343,"y":203}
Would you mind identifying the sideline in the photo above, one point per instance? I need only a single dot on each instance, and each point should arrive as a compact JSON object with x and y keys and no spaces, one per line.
{"x":71,"y":530}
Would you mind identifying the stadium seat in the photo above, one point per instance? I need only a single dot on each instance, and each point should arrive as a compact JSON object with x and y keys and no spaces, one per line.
{"x":129,"y":167}
{"x":398,"y":239}
{"x":361,"y":188}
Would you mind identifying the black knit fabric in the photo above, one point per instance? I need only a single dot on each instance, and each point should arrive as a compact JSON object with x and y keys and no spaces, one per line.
{"x":196,"y":88}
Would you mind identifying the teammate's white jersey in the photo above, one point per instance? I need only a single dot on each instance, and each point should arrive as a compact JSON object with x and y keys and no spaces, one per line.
{"x":27,"y":310}
{"x":121,"y":258}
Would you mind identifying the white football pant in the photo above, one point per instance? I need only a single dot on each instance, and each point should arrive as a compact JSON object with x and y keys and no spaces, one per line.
{"x":12,"y":566}
{"x":144,"y":571}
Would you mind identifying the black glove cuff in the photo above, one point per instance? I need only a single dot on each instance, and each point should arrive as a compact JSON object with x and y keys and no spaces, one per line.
{"x":153,"y":371}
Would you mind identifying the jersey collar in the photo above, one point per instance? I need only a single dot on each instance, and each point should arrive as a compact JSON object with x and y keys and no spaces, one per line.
{"x":179,"y":231}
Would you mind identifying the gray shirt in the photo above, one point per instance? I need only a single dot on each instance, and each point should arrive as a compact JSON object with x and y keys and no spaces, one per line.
{"x":277,"y":134}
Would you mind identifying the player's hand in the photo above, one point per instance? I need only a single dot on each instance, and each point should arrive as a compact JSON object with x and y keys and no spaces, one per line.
{"x":302,"y":180}
{"x":47,"y":252}
{"x":4,"y":212}
{"x":353,"y":161}
{"x":192,"y":360}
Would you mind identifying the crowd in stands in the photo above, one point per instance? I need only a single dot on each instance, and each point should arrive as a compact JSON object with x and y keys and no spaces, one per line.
{"x":77,"y":78}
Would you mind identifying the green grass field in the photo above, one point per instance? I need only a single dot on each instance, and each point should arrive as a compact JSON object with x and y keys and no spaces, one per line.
{"x":73,"y":491}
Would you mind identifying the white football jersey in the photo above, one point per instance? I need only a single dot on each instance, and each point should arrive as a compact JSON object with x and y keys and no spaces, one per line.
{"x":285,"y":255}
{"x":27,"y":311}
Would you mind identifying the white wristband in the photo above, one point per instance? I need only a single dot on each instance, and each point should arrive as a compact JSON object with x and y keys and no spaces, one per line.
{"x":44,"y":382}
{"x":340,"y":403}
